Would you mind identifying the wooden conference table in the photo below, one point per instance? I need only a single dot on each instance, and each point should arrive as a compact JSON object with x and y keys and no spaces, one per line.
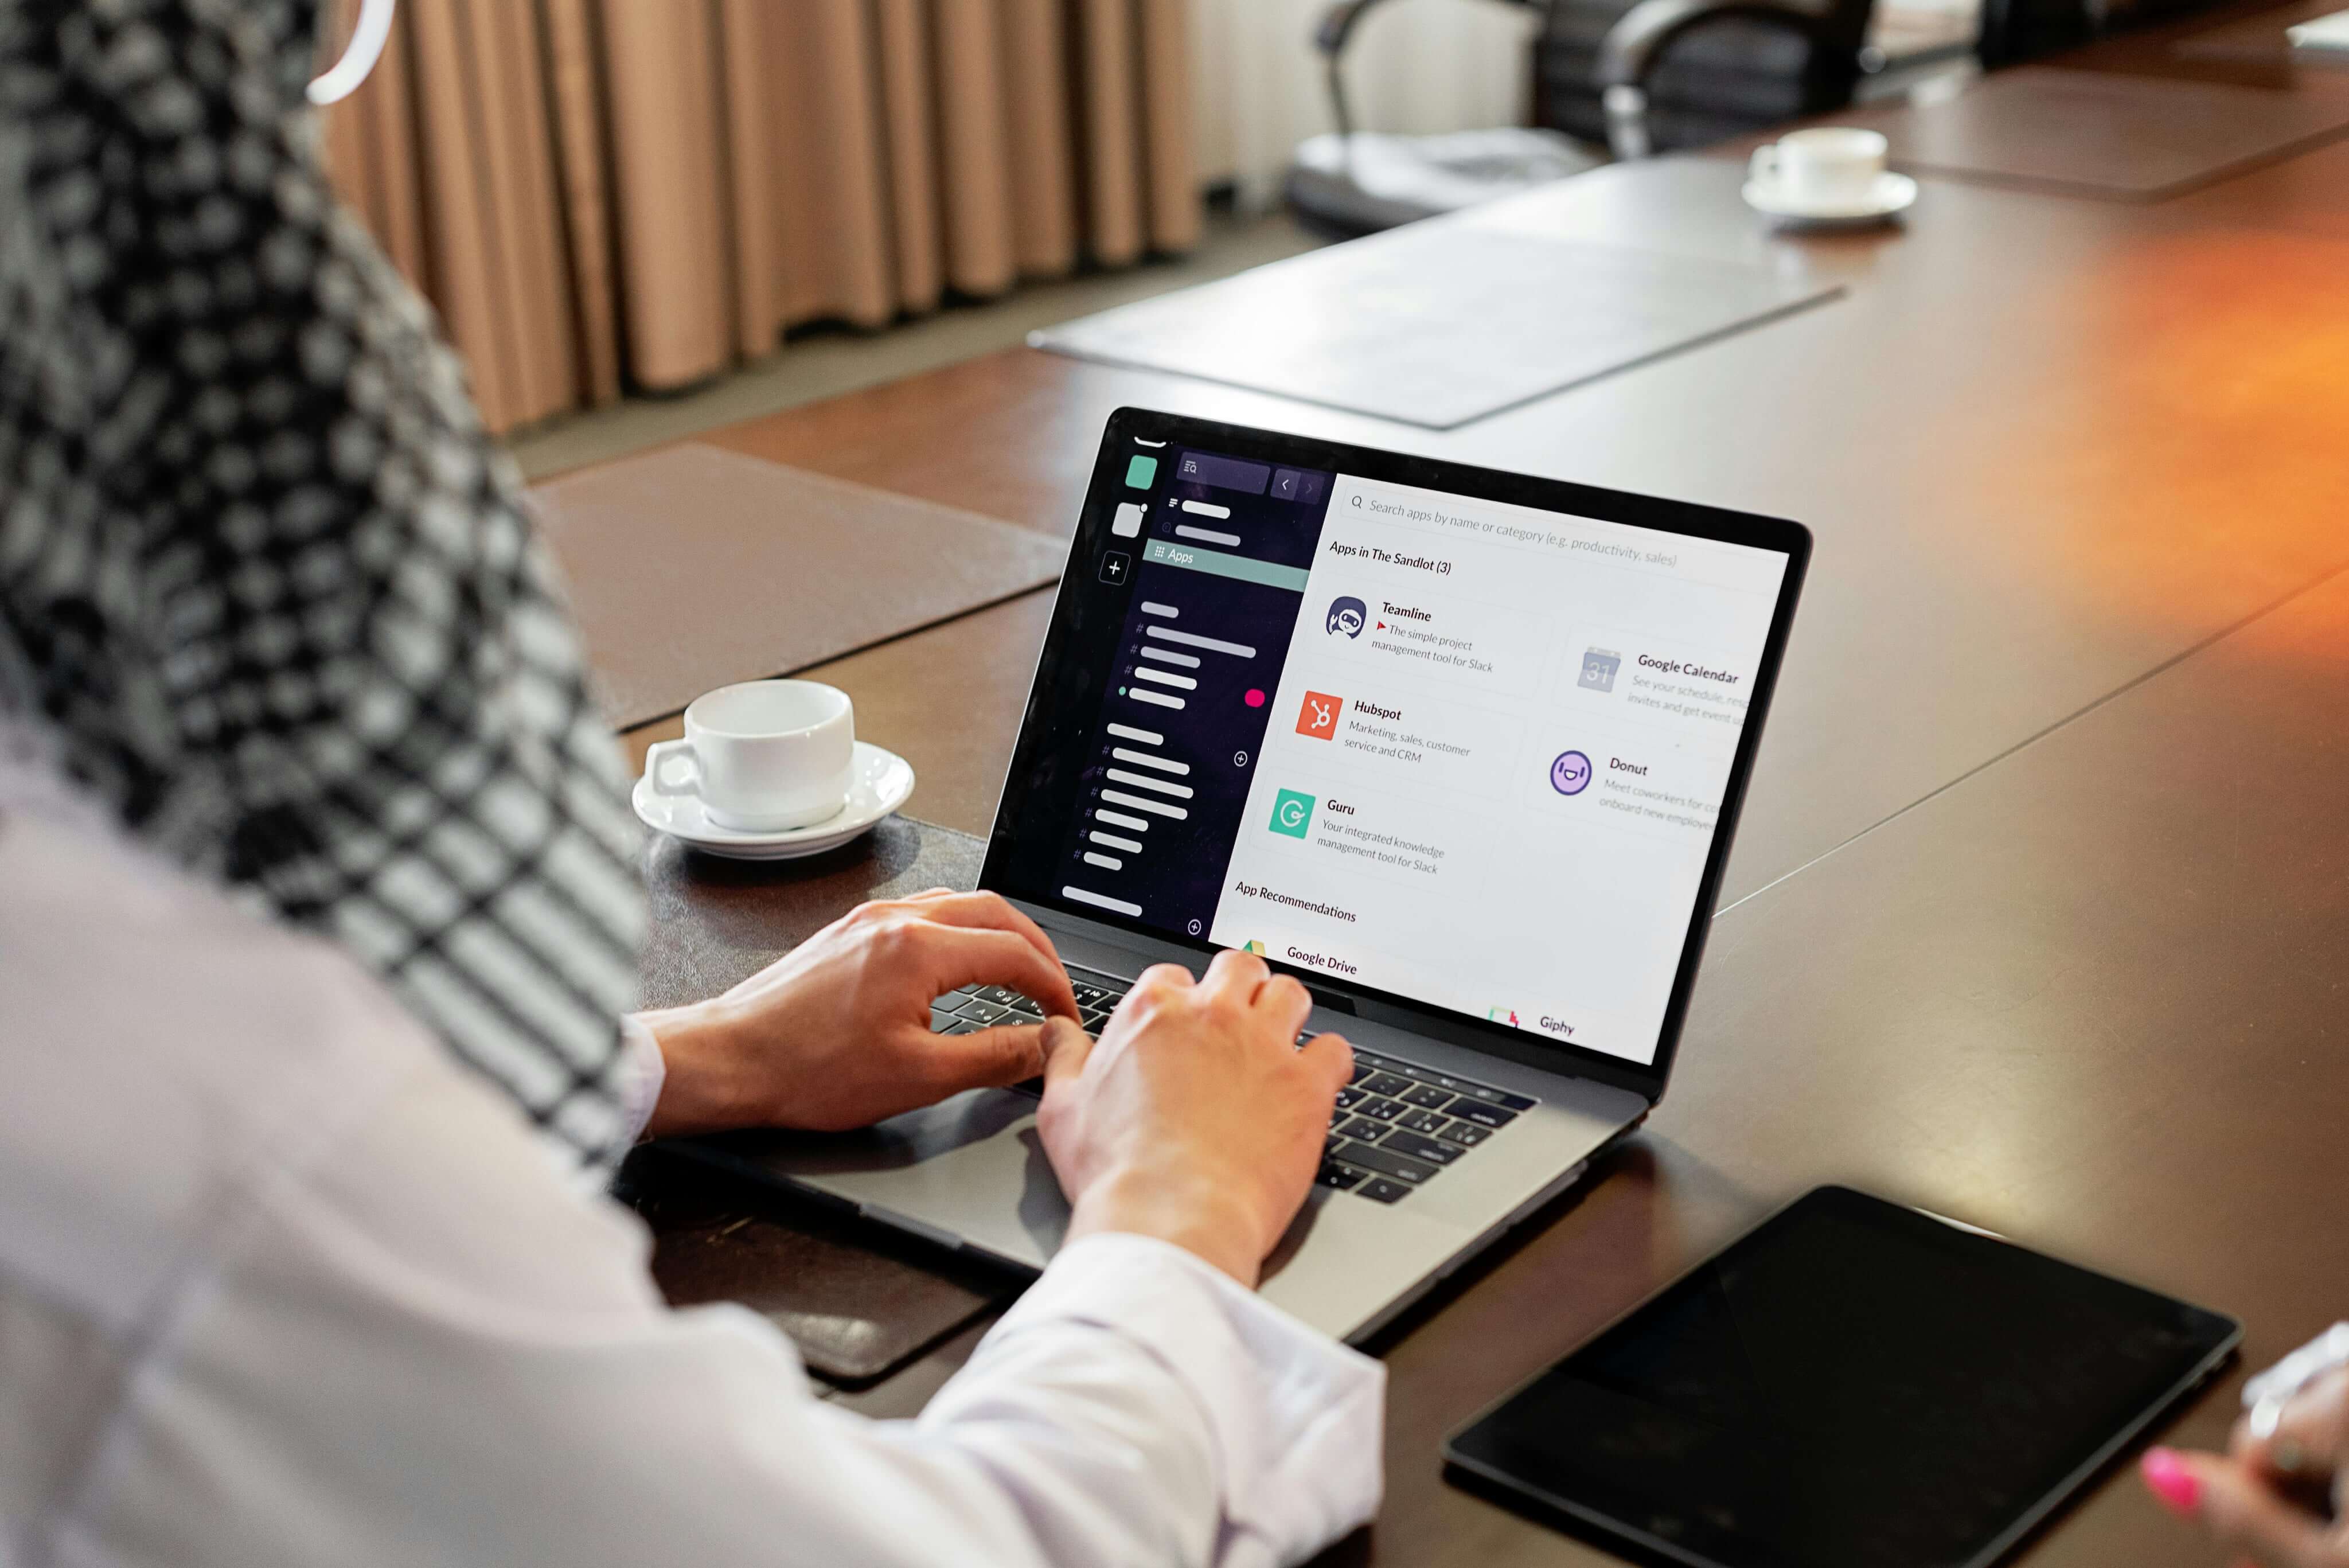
{"x":2039,"y":913}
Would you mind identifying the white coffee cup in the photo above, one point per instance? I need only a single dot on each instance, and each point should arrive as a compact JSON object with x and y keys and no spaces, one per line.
{"x":1828,"y":165}
{"x":765,"y":755}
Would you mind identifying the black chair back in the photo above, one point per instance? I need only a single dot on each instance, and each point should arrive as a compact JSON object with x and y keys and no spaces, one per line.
{"x":1724,"y":78}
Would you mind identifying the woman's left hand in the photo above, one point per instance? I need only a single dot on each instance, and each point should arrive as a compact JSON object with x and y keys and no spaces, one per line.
{"x":2271,"y":1497}
{"x":836,"y":1033}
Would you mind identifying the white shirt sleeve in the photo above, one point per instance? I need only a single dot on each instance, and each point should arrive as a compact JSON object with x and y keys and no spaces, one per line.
{"x":426,"y":1346}
{"x":643,"y":1071}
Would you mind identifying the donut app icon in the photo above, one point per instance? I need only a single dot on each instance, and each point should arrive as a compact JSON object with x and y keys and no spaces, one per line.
{"x":1571,"y":774}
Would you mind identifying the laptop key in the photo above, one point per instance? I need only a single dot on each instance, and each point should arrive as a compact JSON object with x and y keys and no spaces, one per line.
{"x":1387,"y":1084}
{"x":1385,"y":1110}
{"x":939,"y":1018}
{"x":1092,"y":1018}
{"x":1363,"y":1127}
{"x":1420,"y":1122}
{"x":1001,"y":995}
{"x":1341,"y":1176}
{"x":1483,"y":1114}
{"x":1349,"y":1098}
{"x":1361,"y":1069}
{"x":1403,"y":1141}
{"x":960,"y":1026}
{"x":1379,"y":1190}
{"x":1023,"y":1009}
{"x":1388,"y":1162}
{"x":1467,"y":1134}
{"x":1428,"y":1097}
{"x":983,"y":1013}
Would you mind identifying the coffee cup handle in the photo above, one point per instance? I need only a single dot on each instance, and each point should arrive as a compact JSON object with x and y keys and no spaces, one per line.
{"x":659,"y":754}
{"x":1763,"y":168}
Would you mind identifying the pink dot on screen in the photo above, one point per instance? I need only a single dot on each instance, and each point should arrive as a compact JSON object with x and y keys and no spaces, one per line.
{"x":1255,"y":699}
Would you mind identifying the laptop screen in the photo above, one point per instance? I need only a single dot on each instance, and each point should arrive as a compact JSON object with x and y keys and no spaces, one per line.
{"x":1403,"y":737}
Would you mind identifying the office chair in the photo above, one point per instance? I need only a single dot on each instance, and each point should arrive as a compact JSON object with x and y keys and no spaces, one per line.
{"x":1613,"y":80}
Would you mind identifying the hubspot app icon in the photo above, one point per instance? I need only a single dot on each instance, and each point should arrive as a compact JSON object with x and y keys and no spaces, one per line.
{"x":1319,"y":717}
{"x":1292,"y":813}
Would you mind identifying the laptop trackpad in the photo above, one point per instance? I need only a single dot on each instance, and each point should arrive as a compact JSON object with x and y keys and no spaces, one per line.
{"x":969,"y":1170}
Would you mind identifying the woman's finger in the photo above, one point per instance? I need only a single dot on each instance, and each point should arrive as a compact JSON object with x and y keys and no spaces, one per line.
{"x":2242,"y":1511}
{"x":2310,"y":1440}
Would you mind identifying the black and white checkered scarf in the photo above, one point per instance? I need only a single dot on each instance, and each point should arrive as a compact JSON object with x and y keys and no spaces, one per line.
{"x":264,"y":583}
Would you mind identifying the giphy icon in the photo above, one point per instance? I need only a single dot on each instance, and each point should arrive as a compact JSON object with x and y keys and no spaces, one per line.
{"x":1319,"y":717}
{"x":1507,"y":1015}
{"x":1292,"y":813}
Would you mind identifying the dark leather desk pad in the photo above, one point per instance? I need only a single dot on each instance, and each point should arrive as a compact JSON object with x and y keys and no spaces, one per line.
{"x":2106,"y":135}
{"x":691,"y":567}
{"x":859,"y":1300}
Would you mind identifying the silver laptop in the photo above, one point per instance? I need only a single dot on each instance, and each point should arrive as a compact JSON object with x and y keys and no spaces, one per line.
{"x":1460,"y":749}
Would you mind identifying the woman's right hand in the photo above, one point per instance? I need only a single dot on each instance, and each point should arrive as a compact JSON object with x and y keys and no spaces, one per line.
{"x":2263,"y":1496}
{"x":1196,"y":1118}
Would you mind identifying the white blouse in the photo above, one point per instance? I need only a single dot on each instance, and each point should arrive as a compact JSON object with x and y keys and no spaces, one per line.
{"x":281,"y":1283}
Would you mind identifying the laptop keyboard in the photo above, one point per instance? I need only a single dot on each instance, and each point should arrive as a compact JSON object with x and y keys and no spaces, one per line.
{"x":1396,"y":1126}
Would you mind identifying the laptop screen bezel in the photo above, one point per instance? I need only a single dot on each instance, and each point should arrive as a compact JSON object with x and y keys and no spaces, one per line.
{"x":1689,"y":519}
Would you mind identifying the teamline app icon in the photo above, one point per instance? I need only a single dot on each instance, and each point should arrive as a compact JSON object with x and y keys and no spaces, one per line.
{"x":1319,"y":717}
{"x":1292,"y":813}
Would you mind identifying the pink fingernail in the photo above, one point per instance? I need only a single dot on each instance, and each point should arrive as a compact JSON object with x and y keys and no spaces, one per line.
{"x":2167,"y":1477}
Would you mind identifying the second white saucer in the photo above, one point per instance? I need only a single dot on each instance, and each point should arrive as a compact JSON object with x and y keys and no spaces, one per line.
{"x":1890,"y":195}
{"x":879,"y":782}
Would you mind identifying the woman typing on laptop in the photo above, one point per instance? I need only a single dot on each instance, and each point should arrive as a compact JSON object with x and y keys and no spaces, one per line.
{"x":317,"y":931}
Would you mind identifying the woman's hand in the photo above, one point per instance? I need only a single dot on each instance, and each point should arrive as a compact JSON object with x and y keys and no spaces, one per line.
{"x":837,"y":1033}
{"x":2269,"y":1497}
{"x":1196,"y":1119}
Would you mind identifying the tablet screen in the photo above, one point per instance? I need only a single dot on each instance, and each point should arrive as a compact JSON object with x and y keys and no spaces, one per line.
{"x":1855,"y":1385}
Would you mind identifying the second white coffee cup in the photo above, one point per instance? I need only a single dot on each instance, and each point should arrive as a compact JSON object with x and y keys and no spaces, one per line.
{"x":1827,"y":164}
{"x":763,"y":756}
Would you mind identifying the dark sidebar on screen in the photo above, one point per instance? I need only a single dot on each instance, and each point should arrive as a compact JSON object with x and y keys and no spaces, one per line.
{"x":1214,"y":569}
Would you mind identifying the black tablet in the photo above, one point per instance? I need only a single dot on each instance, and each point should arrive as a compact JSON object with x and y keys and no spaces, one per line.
{"x":1854,"y":1384}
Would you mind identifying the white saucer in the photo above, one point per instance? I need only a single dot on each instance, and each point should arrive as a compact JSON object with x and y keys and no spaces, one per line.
{"x":879,"y":782}
{"x":1893,"y":194}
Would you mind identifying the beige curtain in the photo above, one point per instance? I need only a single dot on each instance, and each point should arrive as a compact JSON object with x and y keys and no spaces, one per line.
{"x":600,"y":192}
